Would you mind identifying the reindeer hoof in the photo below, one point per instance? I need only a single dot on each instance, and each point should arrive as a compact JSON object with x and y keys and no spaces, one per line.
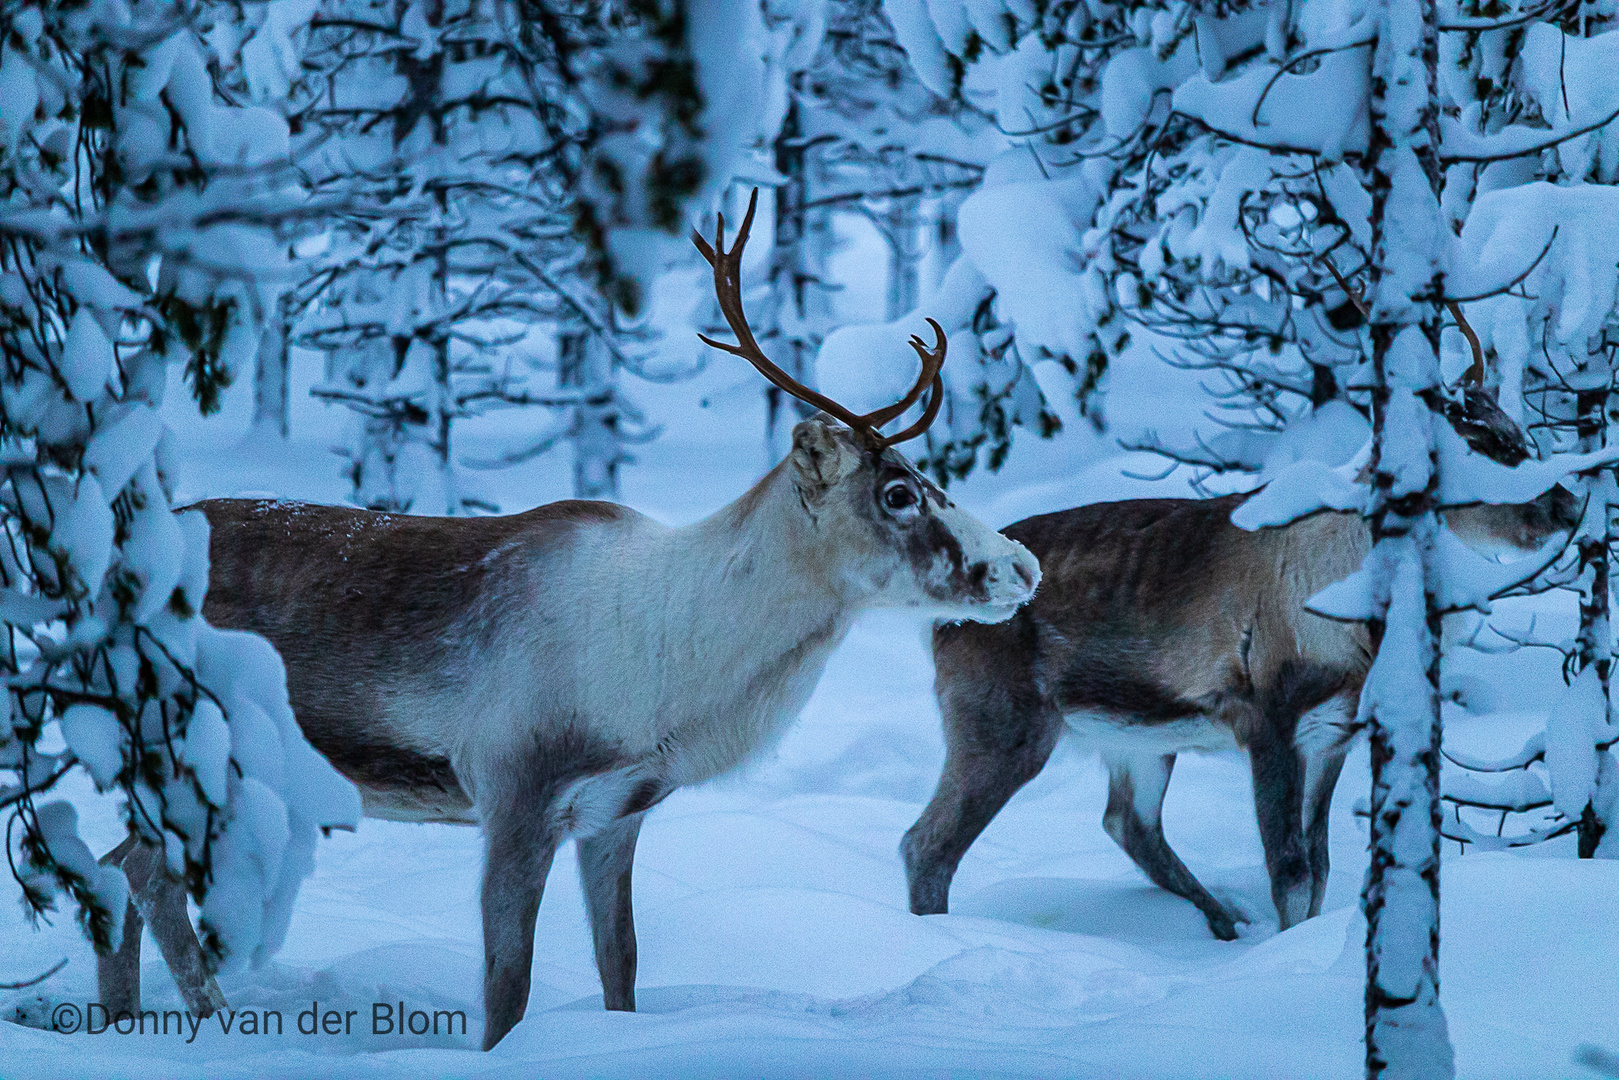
{"x":1223,"y":923}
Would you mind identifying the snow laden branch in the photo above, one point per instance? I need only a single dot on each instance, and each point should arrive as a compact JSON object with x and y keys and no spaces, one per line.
{"x":1556,"y":332}
{"x":112,"y":127}
{"x":1069,"y":90}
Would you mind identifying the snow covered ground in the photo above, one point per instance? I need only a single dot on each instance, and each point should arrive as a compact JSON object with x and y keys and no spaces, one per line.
{"x":774,"y":935}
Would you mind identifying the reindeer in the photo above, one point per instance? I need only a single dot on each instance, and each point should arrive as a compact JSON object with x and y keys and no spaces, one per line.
{"x":557,"y":673}
{"x":1162,"y":627}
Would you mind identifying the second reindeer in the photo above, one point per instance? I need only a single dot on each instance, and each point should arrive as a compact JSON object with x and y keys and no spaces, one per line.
{"x":1163,"y":627}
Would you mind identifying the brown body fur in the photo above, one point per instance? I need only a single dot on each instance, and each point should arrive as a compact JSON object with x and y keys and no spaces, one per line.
{"x":1162,"y":609}
{"x":361,"y":605}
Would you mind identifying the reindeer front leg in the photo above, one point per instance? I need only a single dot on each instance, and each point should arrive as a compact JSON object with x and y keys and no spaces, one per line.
{"x":999,"y":732}
{"x":519,"y":847}
{"x":605,"y":864}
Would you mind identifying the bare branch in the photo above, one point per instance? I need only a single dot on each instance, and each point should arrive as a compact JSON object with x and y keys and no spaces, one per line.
{"x":60,"y":964}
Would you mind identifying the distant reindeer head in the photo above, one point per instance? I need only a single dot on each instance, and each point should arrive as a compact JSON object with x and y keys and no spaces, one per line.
{"x":890,"y":536}
{"x":1476,"y":416}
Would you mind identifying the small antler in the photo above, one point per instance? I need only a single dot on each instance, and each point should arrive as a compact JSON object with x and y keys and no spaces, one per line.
{"x":728,"y":291}
{"x":1475,"y":371}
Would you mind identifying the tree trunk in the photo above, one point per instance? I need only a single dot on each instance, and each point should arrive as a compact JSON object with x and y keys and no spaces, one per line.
{"x":442,"y":409}
{"x":1594,"y":644}
{"x":946,"y":235}
{"x":1406,"y":1031}
{"x":901,"y":227}
{"x":584,"y":363}
{"x":790,"y":277}
{"x":272,"y":375}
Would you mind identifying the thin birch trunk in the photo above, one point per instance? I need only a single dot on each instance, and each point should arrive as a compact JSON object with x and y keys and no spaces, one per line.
{"x":442,"y":409}
{"x":901,"y":225}
{"x":946,"y":235}
{"x":791,"y":278}
{"x":272,"y":375}
{"x":1594,"y":642}
{"x":584,"y":363}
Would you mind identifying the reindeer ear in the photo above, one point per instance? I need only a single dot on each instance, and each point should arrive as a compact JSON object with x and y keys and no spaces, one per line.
{"x":822,"y":455}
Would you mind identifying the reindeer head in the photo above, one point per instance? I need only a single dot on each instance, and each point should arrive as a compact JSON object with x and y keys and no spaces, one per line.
{"x":888,"y":536}
{"x":896,"y":540}
{"x":1488,"y":430}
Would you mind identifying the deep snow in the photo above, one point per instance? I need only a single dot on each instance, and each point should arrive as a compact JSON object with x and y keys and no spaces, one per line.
{"x":772,"y":922}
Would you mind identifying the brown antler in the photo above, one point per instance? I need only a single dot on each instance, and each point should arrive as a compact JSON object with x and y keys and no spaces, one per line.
{"x":728,"y":290}
{"x":1474,"y":373}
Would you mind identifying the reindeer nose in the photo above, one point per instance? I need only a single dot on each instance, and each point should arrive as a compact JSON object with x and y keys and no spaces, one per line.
{"x":1017,"y":569}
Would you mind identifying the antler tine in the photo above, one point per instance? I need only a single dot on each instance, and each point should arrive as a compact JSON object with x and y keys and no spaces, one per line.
{"x":1475,"y":372}
{"x":728,"y":291}
{"x":932,"y":361}
{"x":934,"y":401}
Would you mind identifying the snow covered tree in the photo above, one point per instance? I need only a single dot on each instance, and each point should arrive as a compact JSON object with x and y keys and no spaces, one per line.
{"x":272,"y":374}
{"x":431,"y":151}
{"x":869,"y":133}
{"x":498,"y":169}
{"x":1555,"y":336}
{"x":1279,"y":190}
{"x":1545,"y":159}
{"x":1384,"y":73}
{"x":1406,"y":1031}
{"x":1077,"y":91}
{"x":141,"y":217}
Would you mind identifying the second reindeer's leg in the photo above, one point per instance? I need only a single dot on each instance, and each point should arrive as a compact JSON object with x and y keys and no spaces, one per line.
{"x":1323,"y":739}
{"x":1321,"y":777}
{"x":1134,"y":819}
{"x":605,"y":863}
{"x":998,"y":733}
{"x":1278,"y":771}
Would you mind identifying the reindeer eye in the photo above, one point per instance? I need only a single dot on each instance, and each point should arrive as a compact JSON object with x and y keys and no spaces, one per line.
{"x":898,"y":496}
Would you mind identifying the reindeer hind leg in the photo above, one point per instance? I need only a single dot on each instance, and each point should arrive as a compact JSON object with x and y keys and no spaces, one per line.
{"x":606,"y":861}
{"x":1134,"y":819}
{"x":1323,"y":739}
{"x":1278,"y":772}
{"x":1296,"y":753}
{"x":159,"y":901}
{"x":118,"y":974}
